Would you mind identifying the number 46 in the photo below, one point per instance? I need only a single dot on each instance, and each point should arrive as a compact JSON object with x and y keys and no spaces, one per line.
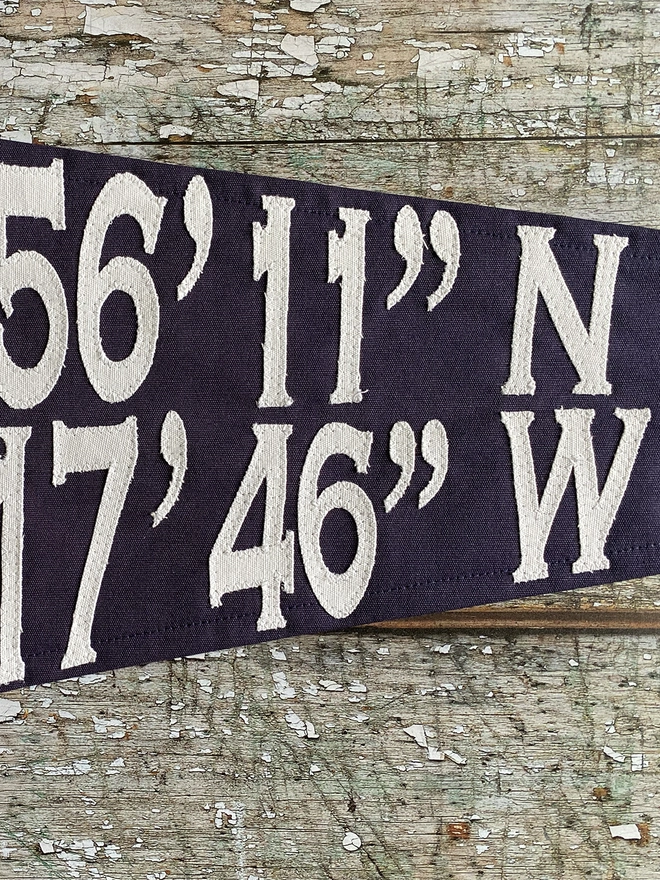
{"x":270,"y":566}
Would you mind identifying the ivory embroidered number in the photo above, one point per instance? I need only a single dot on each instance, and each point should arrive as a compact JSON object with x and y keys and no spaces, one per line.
{"x":346,"y":261}
{"x":115,"y":381}
{"x":339,"y":594}
{"x":271,"y":255}
{"x":271,"y":565}
{"x":32,"y":192}
{"x":12,"y":472}
{"x":78,"y":450}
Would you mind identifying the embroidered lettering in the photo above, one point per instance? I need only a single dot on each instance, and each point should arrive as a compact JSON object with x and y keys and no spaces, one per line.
{"x":32,"y":192}
{"x":174,"y":449}
{"x":12,"y":481}
{"x":115,"y":381}
{"x":339,"y":594}
{"x":198,"y":219}
{"x":79,"y":450}
{"x":409,"y":243}
{"x":271,"y":255}
{"x":575,"y":455}
{"x":346,"y":263}
{"x":270,"y":566}
{"x":402,"y":453}
{"x":539,"y":273}
{"x":435,"y":452}
{"x":446,"y":243}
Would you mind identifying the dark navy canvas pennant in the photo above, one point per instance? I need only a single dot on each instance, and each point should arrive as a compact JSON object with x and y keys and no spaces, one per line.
{"x":234,"y":408}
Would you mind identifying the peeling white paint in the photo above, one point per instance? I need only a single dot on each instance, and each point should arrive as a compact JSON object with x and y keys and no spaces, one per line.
{"x":75,"y":768}
{"x":168,"y":131}
{"x":351,"y":842}
{"x":455,"y":757}
{"x":329,"y":685}
{"x":638,"y":763}
{"x":307,"y":5}
{"x":356,"y":687}
{"x":304,"y":729}
{"x":22,"y":136}
{"x":615,"y":756}
{"x":627,"y":832}
{"x":9,"y":709}
{"x":438,"y":67}
{"x":418,"y":733}
{"x":282,"y":687}
{"x":92,"y":678}
{"x":111,"y":21}
{"x":113,"y":727}
{"x":300,"y":47}
{"x":240,"y":88}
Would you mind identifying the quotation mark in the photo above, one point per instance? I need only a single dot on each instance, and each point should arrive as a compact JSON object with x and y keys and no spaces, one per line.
{"x":435,"y":452}
{"x":174,"y":449}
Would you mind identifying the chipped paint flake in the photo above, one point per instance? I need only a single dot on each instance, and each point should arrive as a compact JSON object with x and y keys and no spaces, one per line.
{"x":329,"y":685}
{"x":22,"y":135}
{"x":627,"y":832}
{"x":303,"y":729}
{"x":169,"y":131}
{"x":92,"y":678}
{"x":438,"y":67}
{"x":436,"y":754}
{"x":240,"y":88}
{"x":300,"y":47}
{"x":9,"y":709}
{"x":455,"y":757}
{"x":105,"y":21}
{"x":113,"y":727}
{"x":638,"y":763}
{"x":417,"y":732}
{"x":308,"y":5}
{"x":351,"y":842}
{"x":282,"y":687}
{"x":615,"y":756}
{"x":224,"y":816}
{"x":356,"y":687}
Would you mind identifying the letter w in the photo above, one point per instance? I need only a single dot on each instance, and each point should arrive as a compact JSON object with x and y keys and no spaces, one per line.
{"x":575,"y":454}
{"x":539,"y":273}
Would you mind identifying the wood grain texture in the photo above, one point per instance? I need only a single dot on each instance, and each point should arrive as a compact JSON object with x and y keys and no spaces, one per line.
{"x":195,"y":768}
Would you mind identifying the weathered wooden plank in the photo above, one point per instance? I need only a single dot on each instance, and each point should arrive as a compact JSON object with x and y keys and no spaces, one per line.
{"x":243,"y":72}
{"x":195,"y":769}
{"x":614,"y":179}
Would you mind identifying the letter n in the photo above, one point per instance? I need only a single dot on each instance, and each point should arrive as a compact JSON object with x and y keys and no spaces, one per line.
{"x":539,"y":273}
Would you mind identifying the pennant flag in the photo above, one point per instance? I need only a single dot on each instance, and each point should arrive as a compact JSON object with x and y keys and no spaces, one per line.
{"x":235,"y":408}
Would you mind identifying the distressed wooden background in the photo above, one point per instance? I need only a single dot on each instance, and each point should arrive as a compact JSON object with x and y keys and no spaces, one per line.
{"x":319,"y":757}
